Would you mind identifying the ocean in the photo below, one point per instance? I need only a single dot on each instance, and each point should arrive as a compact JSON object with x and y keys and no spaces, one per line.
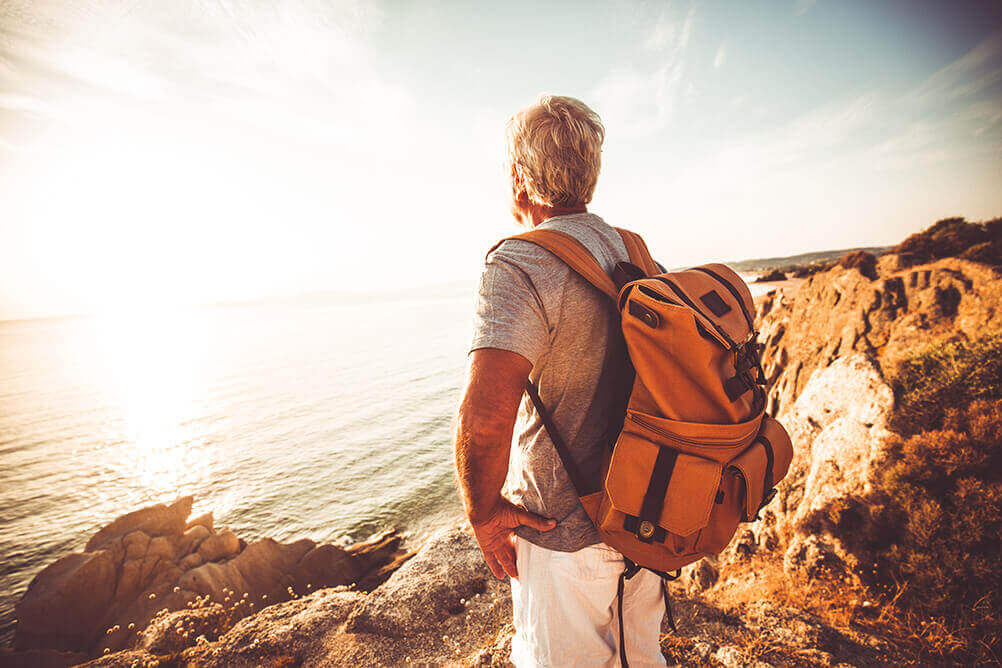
{"x":326,"y":417}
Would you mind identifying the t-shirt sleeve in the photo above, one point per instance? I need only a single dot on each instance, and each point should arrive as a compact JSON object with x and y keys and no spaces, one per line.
{"x":509,"y":314}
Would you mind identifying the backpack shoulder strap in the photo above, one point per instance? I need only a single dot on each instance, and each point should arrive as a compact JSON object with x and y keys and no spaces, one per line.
{"x":572,"y":253}
{"x":637,"y":249}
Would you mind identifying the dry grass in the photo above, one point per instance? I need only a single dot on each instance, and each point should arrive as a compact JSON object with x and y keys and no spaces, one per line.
{"x":859,"y":614}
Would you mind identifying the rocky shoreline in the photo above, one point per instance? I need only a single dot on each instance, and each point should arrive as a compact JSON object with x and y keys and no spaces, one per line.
{"x":138,"y":574}
{"x":796,"y":587}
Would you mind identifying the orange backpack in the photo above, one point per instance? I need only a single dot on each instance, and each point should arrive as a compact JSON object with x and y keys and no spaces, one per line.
{"x":691,"y":451}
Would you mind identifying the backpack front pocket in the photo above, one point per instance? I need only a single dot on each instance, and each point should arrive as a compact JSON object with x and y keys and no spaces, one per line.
{"x":763,"y":464}
{"x":678,"y":499}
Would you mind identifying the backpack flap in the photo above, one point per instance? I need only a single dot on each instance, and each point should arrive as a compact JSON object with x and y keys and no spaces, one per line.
{"x":689,"y":484}
{"x":762,"y":465}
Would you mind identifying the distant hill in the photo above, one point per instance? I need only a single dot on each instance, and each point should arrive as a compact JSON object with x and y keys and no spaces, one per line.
{"x":767,"y":263}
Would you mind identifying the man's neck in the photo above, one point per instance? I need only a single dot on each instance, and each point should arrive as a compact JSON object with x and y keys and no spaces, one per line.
{"x":539,"y":214}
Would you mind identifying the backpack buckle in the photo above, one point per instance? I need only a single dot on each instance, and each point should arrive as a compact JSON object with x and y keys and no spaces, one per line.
{"x":646,"y":529}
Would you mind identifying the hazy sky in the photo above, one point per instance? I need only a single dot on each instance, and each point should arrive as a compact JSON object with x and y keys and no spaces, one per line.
{"x":191,"y":150}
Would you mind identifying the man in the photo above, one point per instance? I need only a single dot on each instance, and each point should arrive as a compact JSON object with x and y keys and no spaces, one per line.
{"x":535,"y":318}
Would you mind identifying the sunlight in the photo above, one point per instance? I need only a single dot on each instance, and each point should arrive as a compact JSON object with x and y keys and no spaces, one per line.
{"x":150,"y":361}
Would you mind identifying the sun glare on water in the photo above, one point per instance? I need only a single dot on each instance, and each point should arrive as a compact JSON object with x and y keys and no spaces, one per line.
{"x":149,"y":363}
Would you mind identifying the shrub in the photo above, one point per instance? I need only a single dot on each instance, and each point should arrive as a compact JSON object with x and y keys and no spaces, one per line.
{"x":935,"y":517}
{"x":938,"y":523}
{"x":773,"y":275}
{"x":945,"y":377}
{"x":952,"y":237}
{"x":863,"y":262}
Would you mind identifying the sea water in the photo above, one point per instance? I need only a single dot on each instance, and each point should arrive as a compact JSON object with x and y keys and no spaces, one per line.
{"x":325,"y":417}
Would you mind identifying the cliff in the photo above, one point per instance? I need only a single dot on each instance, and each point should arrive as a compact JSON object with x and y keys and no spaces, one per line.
{"x":830,"y":575}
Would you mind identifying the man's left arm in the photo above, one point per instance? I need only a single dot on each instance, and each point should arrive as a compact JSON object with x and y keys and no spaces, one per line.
{"x":495,"y":382}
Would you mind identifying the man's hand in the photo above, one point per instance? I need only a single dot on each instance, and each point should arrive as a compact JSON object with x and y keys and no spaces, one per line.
{"x":494,"y":386}
{"x":496,"y":535}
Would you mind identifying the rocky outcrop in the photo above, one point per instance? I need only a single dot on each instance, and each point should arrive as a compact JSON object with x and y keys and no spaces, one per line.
{"x":828,"y":347}
{"x":153,"y":561}
{"x":885,"y":314}
{"x":421,"y":616}
{"x":442,"y":605}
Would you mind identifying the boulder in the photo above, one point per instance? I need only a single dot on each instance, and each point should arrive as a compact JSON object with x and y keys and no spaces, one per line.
{"x":900,"y":309}
{"x":263,"y":569}
{"x":426,"y":590}
{"x":192,"y":539}
{"x":839,"y":430}
{"x":179,"y":630}
{"x":64,"y":599}
{"x":158,"y":520}
{"x":203,"y":520}
{"x":219,"y":546}
{"x":326,"y":566}
{"x":147,"y":563}
{"x":191,"y":561}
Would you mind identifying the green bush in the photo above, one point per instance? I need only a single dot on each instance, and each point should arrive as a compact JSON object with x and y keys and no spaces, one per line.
{"x":935,"y":517}
{"x":943,"y":378}
{"x":952,"y":237}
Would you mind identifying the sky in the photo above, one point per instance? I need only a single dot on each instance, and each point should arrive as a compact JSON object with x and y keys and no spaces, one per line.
{"x":158,"y":153}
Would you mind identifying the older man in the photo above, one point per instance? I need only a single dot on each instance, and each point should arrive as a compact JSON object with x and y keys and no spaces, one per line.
{"x":537,"y":319}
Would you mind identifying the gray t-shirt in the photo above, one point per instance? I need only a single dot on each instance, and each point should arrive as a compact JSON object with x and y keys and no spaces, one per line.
{"x":531,"y":303}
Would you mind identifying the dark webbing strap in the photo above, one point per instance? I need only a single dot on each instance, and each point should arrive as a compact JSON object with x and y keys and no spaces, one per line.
{"x":629,"y":570}
{"x":770,"y":463}
{"x":657,"y":488}
{"x":580,"y":486}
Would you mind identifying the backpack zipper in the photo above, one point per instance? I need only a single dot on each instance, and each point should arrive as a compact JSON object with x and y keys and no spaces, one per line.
{"x":688,"y":302}
{"x":733,"y":291}
{"x":669,"y":435}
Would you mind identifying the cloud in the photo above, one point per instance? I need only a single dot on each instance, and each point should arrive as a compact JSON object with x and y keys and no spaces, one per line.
{"x":638,"y":102}
{"x":953,"y":115}
{"x":721,"y":58}
{"x":801,"y":7}
{"x":978,"y":71}
{"x":303,"y":68}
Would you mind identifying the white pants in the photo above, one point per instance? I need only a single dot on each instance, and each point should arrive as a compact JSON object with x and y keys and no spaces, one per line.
{"x":565,"y":609}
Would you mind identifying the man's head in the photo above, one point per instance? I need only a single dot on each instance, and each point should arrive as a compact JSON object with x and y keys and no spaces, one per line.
{"x":554,"y":154}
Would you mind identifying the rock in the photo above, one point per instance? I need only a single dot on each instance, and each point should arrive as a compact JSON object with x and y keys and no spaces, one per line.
{"x":191,"y":561}
{"x":192,"y":539}
{"x":142,"y":564}
{"x":839,"y":429}
{"x":263,"y":568}
{"x":427,"y":589}
{"x":291,"y":633}
{"x":380,"y":557}
{"x":700,"y":576}
{"x":770,"y":276}
{"x":40,"y":658}
{"x":158,"y":520}
{"x":203,"y":520}
{"x":326,"y":566}
{"x":840,"y":311}
{"x":179,"y":630}
{"x":219,"y":546}
{"x":862,"y":261}
{"x":62,"y":602}
{"x":812,"y":557}
{"x":135,"y":544}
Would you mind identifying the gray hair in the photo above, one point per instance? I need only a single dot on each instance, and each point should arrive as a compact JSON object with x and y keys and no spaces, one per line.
{"x":555,"y":151}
